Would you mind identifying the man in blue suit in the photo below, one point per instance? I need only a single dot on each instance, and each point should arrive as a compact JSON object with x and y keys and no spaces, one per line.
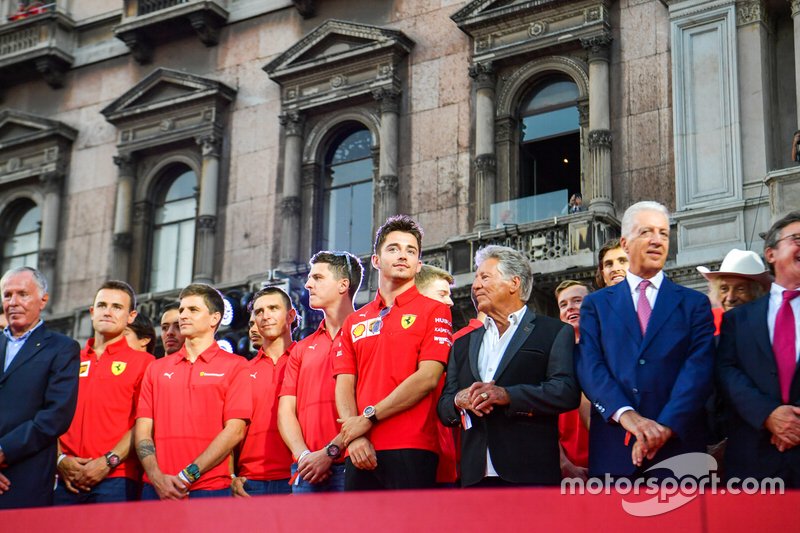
{"x":646,"y":356}
{"x":38,"y":392}
{"x":756,"y":368}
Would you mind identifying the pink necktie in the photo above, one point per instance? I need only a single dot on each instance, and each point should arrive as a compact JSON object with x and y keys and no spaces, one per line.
{"x":783,"y":343}
{"x":643,"y":309}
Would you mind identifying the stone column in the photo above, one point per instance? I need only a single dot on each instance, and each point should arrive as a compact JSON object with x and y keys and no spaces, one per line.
{"x":292,"y":123}
{"x":207,"y":209}
{"x":599,"y":123}
{"x":122,"y":240}
{"x":387,"y":183}
{"x":795,"y":4}
{"x":485,"y":162}
{"x":48,"y":238}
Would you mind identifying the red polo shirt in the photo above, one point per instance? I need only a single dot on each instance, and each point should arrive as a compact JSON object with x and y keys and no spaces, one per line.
{"x":415,"y":329}
{"x":107,"y":392}
{"x":190,"y":403}
{"x":309,"y":377}
{"x":264,"y":456}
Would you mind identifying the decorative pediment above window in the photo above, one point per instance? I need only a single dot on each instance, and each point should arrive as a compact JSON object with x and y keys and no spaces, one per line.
{"x":33,"y":147}
{"x":504,"y":28}
{"x":338,"y":60}
{"x":168,"y":106}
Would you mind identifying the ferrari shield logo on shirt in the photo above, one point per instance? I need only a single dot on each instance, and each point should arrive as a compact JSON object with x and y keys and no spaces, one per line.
{"x":84,"y":368}
{"x":407,"y":321}
{"x":118,"y":367}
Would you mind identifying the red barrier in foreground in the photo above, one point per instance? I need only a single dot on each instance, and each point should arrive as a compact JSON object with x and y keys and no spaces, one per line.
{"x":484,"y":511}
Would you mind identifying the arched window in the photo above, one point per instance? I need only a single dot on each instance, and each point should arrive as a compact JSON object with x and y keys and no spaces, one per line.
{"x":347,"y":192}
{"x":550,"y":138}
{"x":173,"y":231}
{"x":21,"y":246}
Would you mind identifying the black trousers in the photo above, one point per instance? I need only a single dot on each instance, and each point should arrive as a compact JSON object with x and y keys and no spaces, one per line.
{"x":397,"y":469}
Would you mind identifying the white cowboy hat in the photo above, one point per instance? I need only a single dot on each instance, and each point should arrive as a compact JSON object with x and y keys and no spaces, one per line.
{"x":742,"y":263}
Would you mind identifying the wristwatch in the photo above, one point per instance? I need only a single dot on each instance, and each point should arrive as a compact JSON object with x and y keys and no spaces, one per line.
{"x":192,"y":472}
{"x":112,"y":460}
{"x":369,"y":413}
{"x":333,"y":451}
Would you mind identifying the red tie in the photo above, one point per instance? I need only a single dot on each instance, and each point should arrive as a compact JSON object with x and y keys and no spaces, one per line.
{"x":643,"y":309}
{"x":783,"y":343}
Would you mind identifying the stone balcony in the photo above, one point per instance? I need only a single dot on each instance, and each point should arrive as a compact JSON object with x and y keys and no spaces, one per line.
{"x":784,"y":191}
{"x":147,"y":23}
{"x":41,"y":44}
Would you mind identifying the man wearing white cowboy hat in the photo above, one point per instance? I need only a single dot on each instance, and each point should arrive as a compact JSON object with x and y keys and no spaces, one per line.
{"x":741,"y":278}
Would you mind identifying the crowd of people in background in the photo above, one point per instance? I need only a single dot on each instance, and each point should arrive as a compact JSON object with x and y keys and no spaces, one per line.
{"x":388,"y":396}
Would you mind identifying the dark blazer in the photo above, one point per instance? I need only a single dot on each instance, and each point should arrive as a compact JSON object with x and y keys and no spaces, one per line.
{"x":537,"y":371}
{"x":38,"y":393}
{"x":747,"y":377}
{"x":666,"y":375}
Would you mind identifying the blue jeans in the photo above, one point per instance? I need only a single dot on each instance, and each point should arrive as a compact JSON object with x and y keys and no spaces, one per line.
{"x":149,"y":493}
{"x":335,"y":483}
{"x":115,"y":489}
{"x":254,"y":487}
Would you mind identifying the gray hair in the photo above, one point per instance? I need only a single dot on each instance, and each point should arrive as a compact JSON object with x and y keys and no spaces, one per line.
{"x":38,"y":278}
{"x":629,"y":218}
{"x":510,"y":263}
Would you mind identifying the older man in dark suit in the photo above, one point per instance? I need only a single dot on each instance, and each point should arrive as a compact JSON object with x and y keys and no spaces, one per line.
{"x":508,"y":381}
{"x":38,"y":391}
{"x":756,"y":368}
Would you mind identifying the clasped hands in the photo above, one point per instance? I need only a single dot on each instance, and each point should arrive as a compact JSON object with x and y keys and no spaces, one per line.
{"x":650,"y":435}
{"x":361,"y":451}
{"x":784,"y":424}
{"x":82,"y":473}
{"x":480,"y":398}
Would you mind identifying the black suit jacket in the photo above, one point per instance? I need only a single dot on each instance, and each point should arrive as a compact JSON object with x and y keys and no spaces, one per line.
{"x":537,"y":371}
{"x":747,"y":376}
{"x":38,"y":393}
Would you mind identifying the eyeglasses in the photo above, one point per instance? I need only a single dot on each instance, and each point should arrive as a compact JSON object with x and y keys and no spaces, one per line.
{"x":795,"y":238}
{"x":376,"y":326}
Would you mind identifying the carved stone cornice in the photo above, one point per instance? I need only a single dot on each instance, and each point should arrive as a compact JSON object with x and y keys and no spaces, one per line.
{"x":504,"y":129}
{"x":485,"y":163}
{"x":207,"y":26}
{"x":599,"y":139}
{"x":126,"y":164}
{"x":52,"y":180}
{"x":583,"y":112}
{"x":140,"y":46}
{"x":388,"y":99}
{"x":388,"y":183}
{"x":484,"y":75}
{"x":207,"y":223}
{"x":292,"y":122}
{"x":291,"y":206}
{"x":750,"y":11}
{"x":598,"y":46}
{"x":795,"y":5}
{"x":53,"y":70}
{"x":122,"y":241}
{"x":210,"y":145}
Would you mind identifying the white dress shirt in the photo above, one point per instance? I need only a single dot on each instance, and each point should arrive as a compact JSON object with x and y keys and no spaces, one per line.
{"x":775,"y":302}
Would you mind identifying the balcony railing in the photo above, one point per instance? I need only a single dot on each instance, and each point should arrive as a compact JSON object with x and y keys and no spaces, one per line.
{"x":151,"y":6}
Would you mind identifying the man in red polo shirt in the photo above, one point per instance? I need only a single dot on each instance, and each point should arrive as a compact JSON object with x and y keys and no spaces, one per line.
{"x":307,"y":411}
{"x":393,"y":352}
{"x":264,"y":462}
{"x":194,"y":407}
{"x":94,"y":465}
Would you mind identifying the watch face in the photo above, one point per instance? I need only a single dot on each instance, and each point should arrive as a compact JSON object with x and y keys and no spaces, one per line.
{"x":113,"y":460}
{"x":333,"y":450}
{"x":369,"y":411}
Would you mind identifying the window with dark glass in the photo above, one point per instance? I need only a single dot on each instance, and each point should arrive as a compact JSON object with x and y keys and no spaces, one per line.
{"x":550,"y":139}
{"x":21,"y":246}
{"x":347,"y":192}
{"x":173,"y":231}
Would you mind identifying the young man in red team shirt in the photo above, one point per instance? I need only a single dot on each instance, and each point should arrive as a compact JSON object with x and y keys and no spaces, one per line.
{"x":94,"y":465}
{"x":307,"y":411}
{"x":264,"y":462}
{"x":193,"y":408}
{"x":393,"y":352}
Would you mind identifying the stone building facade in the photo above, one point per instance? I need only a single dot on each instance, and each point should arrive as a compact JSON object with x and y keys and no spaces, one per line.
{"x":224,"y":141}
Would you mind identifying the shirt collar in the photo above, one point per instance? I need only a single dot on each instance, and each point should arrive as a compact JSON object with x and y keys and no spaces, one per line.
{"x":400,"y":300}
{"x":513,"y":319}
{"x":776,"y":290}
{"x":206,"y":355}
{"x":114,"y":347}
{"x":262,"y":355}
{"x":24,"y":337}
{"x":634,"y":280}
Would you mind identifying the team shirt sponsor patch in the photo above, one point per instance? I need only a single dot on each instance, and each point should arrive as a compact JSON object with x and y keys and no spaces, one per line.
{"x":118,"y":367}
{"x":407,"y":321}
{"x":366,"y":328}
{"x":212,"y":374}
{"x":84,"y":368}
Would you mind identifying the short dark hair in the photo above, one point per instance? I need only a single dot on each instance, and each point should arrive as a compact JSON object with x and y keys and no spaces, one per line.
{"x":287,"y":302}
{"x":117,"y":285}
{"x":170,"y":306}
{"x":567,"y":283}
{"x":344,"y":265}
{"x":142,"y":327}
{"x":403,"y":223}
{"x":211,"y":296}
{"x":612,"y":244}
{"x":773,"y":235}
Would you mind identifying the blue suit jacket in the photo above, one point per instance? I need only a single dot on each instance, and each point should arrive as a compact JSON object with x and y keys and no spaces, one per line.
{"x":38,"y":393}
{"x":665,"y":375}
{"x":748,"y":380}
